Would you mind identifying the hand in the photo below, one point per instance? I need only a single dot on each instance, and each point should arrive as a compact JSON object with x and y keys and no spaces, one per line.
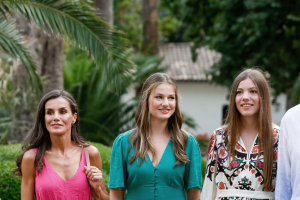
{"x":94,"y":175}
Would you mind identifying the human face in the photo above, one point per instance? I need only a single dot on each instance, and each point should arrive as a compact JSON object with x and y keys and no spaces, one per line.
{"x":247,"y":98}
{"x":58,"y":116}
{"x":162,"y":101}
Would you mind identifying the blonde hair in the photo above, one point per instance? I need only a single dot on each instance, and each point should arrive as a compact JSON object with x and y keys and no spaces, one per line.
{"x":233,"y":121}
{"x":138,"y":138}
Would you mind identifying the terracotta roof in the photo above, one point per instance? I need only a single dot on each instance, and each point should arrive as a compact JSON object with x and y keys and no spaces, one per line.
{"x":178,"y":58}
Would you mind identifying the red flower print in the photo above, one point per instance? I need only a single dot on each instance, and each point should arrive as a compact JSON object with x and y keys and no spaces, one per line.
{"x":221,"y":186}
{"x":211,"y":144}
{"x":275,"y":155}
{"x":212,"y":169}
{"x":260,"y":179}
{"x":238,"y":146}
{"x":252,"y":171}
{"x":215,"y":156}
{"x":246,"y":166}
{"x":261,"y":165}
{"x":232,"y":178}
{"x":238,"y":172}
{"x":235,"y":164}
{"x":223,"y":152}
{"x":255,"y":149}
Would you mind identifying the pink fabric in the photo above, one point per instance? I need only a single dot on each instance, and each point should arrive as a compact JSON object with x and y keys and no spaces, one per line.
{"x":50,"y":186}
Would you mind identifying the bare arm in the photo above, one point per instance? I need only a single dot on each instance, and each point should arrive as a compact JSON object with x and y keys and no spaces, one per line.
{"x":193,"y":194}
{"x":94,"y":174}
{"x":116,"y":194}
{"x":28,"y":175}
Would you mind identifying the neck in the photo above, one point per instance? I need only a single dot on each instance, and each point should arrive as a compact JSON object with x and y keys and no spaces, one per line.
{"x":61,"y":143}
{"x":159,"y":127}
{"x":249,"y":124}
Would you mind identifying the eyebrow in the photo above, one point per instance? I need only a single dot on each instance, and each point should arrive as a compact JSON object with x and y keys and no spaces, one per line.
{"x":166,"y":95}
{"x":248,"y":88}
{"x":59,"y":108}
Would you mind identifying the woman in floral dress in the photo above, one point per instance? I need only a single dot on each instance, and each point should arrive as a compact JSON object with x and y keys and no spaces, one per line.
{"x":242,"y":156}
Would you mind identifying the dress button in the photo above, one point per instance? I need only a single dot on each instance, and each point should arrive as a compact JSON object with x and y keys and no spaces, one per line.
{"x":155,"y":195}
{"x":156,"y":175}
{"x":156,"y":181}
{"x":156,"y":188}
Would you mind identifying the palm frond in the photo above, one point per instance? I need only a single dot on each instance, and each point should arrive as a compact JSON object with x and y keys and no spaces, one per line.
{"x":80,"y":23}
{"x":11,"y":42}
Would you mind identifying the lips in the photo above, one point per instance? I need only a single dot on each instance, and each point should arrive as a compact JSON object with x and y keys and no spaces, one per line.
{"x":246,"y":105}
{"x":56,"y":125}
{"x":164,"y":111}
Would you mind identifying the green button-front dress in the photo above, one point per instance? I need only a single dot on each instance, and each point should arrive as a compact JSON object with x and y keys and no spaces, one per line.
{"x":146,"y":182}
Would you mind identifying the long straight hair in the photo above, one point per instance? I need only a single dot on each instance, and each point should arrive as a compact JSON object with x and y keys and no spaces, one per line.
{"x":139,"y":137}
{"x":265,"y":137}
{"x":39,"y":137}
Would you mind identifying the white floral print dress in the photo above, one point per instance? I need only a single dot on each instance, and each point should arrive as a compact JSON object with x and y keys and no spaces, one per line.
{"x":240,"y":181}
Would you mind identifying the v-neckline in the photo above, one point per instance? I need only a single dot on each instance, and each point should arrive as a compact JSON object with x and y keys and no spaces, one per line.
{"x":59,"y":175}
{"x":244,"y":146}
{"x":161,"y":156}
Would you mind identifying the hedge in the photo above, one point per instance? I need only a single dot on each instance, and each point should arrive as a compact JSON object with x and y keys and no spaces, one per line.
{"x":10,"y":186}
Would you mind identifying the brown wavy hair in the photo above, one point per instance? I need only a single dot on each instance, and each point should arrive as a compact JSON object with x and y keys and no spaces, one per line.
{"x":138,"y":138}
{"x":38,"y":137}
{"x":265,"y":137}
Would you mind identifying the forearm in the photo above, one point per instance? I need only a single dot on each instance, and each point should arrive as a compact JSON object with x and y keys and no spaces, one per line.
{"x":99,"y":194}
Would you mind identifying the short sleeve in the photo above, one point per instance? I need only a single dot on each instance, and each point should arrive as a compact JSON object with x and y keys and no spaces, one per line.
{"x":117,"y":174}
{"x":192,"y":175}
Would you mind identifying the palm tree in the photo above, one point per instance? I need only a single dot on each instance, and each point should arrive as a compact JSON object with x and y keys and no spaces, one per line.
{"x":79,"y":23}
{"x":73,"y":19}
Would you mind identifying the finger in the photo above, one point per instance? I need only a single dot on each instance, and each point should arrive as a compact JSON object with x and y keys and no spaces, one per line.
{"x":97,"y":178}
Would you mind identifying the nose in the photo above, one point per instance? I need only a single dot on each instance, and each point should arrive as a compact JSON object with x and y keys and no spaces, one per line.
{"x":165,"y":102}
{"x":56,"y":116}
{"x":245,"y":95}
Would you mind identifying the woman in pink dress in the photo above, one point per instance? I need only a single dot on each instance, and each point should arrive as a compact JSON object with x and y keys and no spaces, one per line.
{"x":53,"y":165}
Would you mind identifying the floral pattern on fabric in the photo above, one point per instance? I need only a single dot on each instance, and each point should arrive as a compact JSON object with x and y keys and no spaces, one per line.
{"x":241,"y":173}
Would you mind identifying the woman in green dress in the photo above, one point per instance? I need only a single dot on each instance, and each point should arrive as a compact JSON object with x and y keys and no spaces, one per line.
{"x":156,"y":160}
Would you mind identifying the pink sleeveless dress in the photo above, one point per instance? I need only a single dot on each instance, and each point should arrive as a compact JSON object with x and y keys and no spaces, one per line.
{"x":50,"y":186}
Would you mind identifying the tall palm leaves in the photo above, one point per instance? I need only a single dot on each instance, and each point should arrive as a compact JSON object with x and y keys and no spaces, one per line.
{"x":78,"y":22}
{"x":12,"y":43}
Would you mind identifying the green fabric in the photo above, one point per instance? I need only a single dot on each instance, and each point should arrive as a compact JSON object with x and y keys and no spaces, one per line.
{"x":149,"y":182}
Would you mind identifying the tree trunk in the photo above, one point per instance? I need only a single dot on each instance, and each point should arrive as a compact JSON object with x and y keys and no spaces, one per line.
{"x":106,"y":10}
{"x":150,"y":17}
{"x":53,"y":62}
{"x":23,"y":113}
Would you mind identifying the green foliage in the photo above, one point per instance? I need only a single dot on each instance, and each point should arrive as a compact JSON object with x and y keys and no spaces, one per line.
{"x":247,"y":33}
{"x":92,"y":33}
{"x":203,"y":169}
{"x":11,"y":186}
{"x":128,"y":20}
{"x":11,"y":42}
{"x":296,"y":91}
{"x":167,"y":25}
{"x":102,"y":115}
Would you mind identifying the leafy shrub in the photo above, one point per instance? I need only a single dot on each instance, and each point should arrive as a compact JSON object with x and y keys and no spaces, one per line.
{"x":10,"y":186}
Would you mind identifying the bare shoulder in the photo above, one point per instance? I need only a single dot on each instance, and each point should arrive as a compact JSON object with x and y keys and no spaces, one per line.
{"x":28,"y":167}
{"x":93,"y":151}
{"x":29,"y":156}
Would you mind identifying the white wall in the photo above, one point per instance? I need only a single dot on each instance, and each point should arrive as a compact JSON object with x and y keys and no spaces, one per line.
{"x":204,"y":103}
